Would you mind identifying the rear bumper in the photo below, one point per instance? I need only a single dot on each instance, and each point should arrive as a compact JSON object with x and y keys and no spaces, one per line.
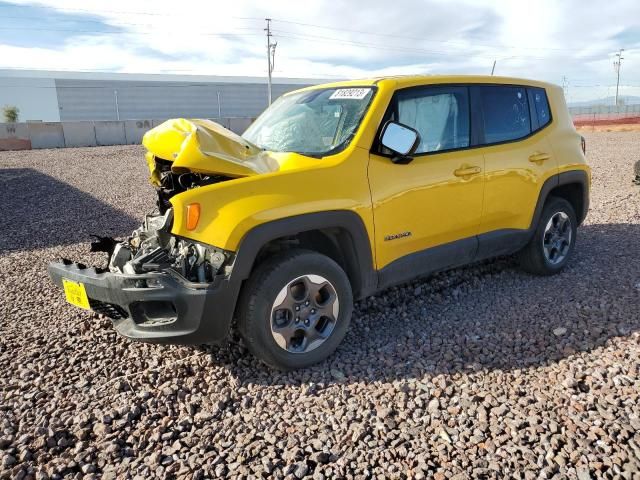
{"x":156,"y":307}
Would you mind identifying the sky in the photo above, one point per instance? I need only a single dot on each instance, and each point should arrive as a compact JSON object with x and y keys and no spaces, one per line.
{"x":567,"y":42}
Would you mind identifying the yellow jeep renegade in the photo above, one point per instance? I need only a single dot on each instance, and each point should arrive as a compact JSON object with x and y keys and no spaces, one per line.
{"x":335,"y":192}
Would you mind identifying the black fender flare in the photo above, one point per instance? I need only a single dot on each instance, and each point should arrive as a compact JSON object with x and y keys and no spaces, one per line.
{"x":358,"y":254}
{"x":565,"y":178}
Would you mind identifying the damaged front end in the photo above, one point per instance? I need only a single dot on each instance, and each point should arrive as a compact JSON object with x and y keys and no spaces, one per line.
{"x":152,"y":248}
{"x":168,"y":183}
{"x":158,"y":286}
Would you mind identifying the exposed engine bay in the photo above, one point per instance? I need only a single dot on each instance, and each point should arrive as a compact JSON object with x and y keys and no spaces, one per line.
{"x":202,"y":153}
{"x":153,"y":248}
{"x":171,"y":183}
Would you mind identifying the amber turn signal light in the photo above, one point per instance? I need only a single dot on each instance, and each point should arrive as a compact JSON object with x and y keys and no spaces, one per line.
{"x":193,"y":215}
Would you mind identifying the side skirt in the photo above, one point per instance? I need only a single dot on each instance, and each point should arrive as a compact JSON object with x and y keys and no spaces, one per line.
{"x":427,"y":262}
{"x":452,"y":255}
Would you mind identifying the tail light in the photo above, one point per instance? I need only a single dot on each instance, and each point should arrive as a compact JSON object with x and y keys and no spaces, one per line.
{"x":583,"y":144}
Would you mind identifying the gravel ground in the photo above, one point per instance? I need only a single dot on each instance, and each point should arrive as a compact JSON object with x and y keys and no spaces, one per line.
{"x":482,"y":372}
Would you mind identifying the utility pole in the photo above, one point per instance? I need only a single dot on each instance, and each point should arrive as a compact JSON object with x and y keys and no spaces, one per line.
{"x":565,"y":87}
{"x":493,"y":68}
{"x":617,"y":63}
{"x":115,"y":95}
{"x":271,"y":56}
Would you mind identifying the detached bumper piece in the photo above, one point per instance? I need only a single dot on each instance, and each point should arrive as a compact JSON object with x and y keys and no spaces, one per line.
{"x":154,"y":307}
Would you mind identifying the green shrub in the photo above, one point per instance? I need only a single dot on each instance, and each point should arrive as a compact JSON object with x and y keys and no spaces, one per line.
{"x":11,"y":113}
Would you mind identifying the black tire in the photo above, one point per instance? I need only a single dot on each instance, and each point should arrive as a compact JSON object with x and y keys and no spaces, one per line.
{"x":532,"y":257}
{"x":263,"y":287}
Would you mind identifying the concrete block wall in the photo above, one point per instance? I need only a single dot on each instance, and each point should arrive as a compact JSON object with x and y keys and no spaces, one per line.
{"x":14,"y":136}
{"x":46,"y":135}
{"x":24,"y":136}
{"x":79,"y":134}
{"x":110,"y":133}
{"x":134,"y":130}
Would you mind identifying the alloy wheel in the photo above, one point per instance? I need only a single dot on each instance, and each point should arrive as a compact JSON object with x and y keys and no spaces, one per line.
{"x":304,"y":313}
{"x":557,"y":237}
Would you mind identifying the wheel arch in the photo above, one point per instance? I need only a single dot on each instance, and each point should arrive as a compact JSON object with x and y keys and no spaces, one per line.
{"x":339,"y":234}
{"x":573,"y":186}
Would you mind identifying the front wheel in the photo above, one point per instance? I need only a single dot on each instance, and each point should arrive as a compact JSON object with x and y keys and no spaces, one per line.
{"x":553,"y":241}
{"x":295,"y":309}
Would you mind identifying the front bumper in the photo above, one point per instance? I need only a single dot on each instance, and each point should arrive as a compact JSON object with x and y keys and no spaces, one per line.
{"x":157,"y":307}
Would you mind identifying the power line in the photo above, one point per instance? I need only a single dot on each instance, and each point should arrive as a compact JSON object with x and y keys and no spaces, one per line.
{"x":106,"y":22}
{"x":324,"y":39}
{"x":294,"y":35}
{"x":422,"y":39}
{"x":117,"y":12}
{"x":219,"y":34}
{"x":288,"y":34}
{"x":600,"y":85}
{"x":416,"y":38}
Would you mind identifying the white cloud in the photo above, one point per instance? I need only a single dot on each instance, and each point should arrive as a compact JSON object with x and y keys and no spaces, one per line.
{"x":544,"y":39}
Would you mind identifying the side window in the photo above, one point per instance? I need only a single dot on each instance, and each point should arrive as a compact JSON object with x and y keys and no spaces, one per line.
{"x":539,"y":107}
{"x":439,"y":114}
{"x":506,"y":113}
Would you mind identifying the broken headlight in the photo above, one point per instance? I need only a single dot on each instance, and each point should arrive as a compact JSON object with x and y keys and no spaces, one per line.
{"x":152,"y":248}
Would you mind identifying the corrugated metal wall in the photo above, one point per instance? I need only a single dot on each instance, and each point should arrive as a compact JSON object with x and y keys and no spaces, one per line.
{"x":96,"y":99}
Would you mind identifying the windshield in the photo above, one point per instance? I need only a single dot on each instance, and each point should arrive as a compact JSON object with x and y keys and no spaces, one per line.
{"x":315,"y":122}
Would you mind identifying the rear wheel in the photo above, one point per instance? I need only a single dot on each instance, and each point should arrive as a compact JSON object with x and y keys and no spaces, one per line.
{"x":553,"y":241}
{"x":295,"y":309}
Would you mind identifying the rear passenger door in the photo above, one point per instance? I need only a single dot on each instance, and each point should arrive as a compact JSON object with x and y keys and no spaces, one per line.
{"x":517,"y":154}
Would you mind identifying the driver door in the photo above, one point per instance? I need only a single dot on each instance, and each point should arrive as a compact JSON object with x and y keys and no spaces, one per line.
{"x":427,"y":212}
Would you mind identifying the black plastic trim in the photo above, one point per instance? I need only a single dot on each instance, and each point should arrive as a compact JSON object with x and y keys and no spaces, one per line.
{"x":203,"y":312}
{"x":502,"y":242}
{"x":359,"y":257}
{"x":427,"y":262}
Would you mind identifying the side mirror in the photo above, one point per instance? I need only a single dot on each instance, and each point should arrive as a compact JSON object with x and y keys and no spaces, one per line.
{"x":401,"y":140}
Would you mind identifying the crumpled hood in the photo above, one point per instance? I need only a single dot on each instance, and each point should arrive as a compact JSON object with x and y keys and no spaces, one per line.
{"x":203,"y":146}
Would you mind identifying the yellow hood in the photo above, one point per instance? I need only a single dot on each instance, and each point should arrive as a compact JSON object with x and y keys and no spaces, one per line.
{"x":203,"y":146}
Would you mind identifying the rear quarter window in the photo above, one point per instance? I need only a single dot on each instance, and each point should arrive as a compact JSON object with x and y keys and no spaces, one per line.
{"x":540,"y":113}
{"x":505,"y":113}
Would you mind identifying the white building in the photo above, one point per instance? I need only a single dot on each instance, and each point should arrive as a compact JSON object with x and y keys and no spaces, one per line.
{"x":68,"y":96}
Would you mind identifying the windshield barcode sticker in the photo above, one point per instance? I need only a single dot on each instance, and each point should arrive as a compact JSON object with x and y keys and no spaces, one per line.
{"x":350,"y":93}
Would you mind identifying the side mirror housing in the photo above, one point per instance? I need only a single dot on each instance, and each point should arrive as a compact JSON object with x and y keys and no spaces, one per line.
{"x":401,"y":140}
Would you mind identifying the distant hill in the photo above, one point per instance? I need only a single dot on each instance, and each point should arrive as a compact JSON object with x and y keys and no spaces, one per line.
{"x":623,"y":99}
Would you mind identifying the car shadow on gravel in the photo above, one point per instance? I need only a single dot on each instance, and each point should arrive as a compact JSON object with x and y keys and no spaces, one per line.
{"x":39,"y":211}
{"x":485,"y":317}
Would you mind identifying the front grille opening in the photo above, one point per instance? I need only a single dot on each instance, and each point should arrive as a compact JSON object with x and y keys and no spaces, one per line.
{"x":153,"y":313}
{"x":114,"y":312}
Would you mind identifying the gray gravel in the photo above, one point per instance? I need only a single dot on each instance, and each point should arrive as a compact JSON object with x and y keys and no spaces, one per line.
{"x":483,"y":372}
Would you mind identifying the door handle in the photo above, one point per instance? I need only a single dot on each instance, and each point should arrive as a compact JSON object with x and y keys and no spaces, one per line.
{"x":467,"y":171}
{"x":539,"y":157}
